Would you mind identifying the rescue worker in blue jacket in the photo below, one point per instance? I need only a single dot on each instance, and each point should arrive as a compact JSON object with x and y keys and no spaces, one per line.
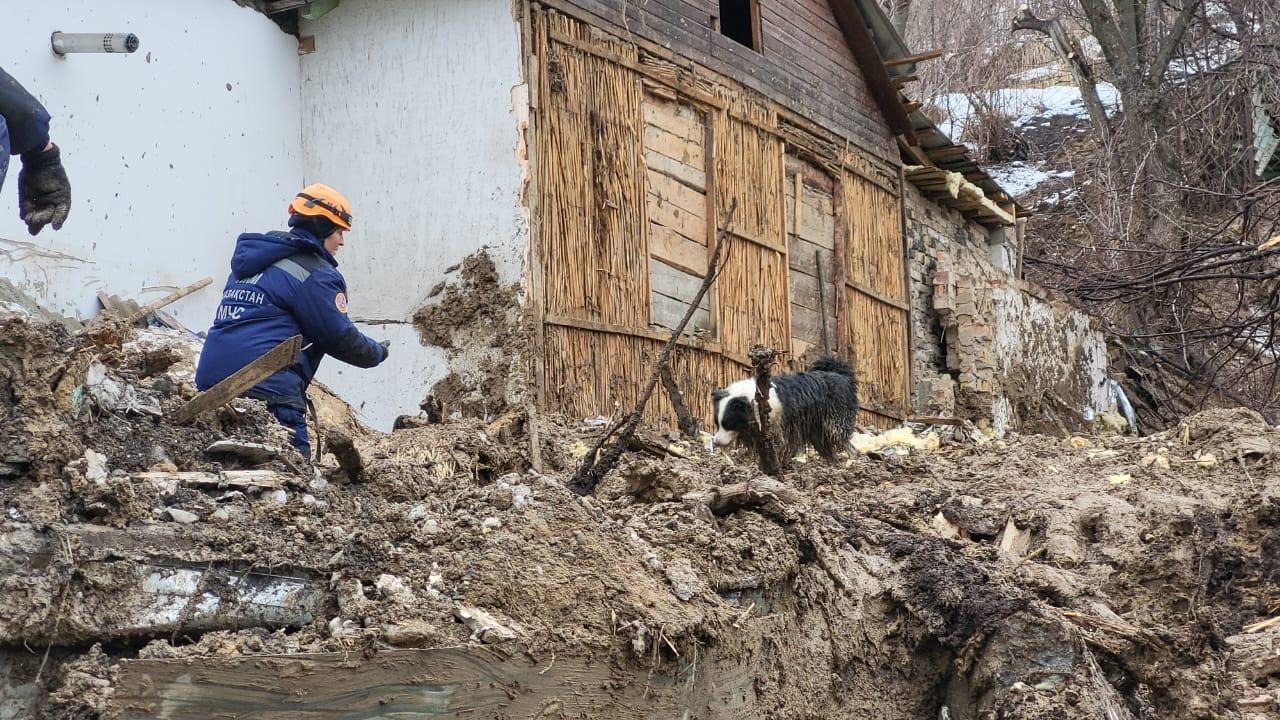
{"x":284,"y":284}
{"x":44,"y":195}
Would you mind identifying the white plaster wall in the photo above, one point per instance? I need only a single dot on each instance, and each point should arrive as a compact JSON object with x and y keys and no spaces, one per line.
{"x":1030,"y":332}
{"x":412,"y":109}
{"x":167,"y":165}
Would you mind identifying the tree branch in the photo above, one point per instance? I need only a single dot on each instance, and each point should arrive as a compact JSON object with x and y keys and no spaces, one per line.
{"x":597,"y":464}
{"x":1171,"y":42}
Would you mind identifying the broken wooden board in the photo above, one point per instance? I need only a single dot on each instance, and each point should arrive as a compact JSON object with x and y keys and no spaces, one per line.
{"x":276,"y":359}
{"x":233,"y":479}
{"x":435,"y":684}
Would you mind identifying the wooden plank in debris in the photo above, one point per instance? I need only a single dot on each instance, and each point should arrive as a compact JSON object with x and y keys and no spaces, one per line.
{"x":172,"y":297}
{"x":276,"y":359}
{"x":238,"y":479}
{"x":442,"y":684}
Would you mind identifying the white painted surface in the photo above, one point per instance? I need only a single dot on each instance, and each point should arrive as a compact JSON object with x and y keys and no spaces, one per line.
{"x":412,"y":109}
{"x":166,"y":164}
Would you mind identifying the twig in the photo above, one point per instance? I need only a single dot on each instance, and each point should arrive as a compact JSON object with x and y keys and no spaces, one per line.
{"x":762,"y":358}
{"x":597,"y":464}
{"x":687,"y":423}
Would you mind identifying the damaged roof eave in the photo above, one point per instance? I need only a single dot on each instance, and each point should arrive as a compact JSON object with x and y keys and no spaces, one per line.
{"x":935,"y":146}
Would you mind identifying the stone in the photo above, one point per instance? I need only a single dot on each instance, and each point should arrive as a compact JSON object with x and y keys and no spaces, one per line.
{"x":410,"y":634}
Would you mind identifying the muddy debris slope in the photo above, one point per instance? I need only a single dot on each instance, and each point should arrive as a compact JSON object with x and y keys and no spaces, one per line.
{"x":431,"y":572}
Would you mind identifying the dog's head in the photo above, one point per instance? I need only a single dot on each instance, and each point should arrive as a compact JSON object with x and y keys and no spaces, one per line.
{"x":733,"y":410}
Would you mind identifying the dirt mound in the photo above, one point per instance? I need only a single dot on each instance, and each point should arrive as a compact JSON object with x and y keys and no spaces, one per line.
{"x":1037,"y":577}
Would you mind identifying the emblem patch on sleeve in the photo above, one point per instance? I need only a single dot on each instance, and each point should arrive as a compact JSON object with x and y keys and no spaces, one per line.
{"x":340,"y":300}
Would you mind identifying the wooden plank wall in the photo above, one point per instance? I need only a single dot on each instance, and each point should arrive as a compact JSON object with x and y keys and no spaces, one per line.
{"x":638,"y":161}
{"x":675,"y":138}
{"x":804,"y":64}
{"x":811,"y":243}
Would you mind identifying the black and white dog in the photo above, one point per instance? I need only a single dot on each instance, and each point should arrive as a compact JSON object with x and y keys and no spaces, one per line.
{"x":818,"y":407}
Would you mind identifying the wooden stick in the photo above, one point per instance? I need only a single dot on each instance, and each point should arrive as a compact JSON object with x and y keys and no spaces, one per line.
{"x":596,"y":464}
{"x":1260,"y":626}
{"x":762,"y":358}
{"x":172,"y":297}
{"x":276,"y":359}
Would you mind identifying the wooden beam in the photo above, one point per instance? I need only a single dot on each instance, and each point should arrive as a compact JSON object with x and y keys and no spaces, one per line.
{"x":949,"y":152}
{"x":276,"y":359}
{"x":172,"y":297}
{"x":911,"y":59}
{"x":900,"y":80}
{"x":858,"y":37}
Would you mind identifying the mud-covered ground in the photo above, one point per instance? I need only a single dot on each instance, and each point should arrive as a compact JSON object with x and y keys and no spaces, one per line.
{"x":1034,"y":577}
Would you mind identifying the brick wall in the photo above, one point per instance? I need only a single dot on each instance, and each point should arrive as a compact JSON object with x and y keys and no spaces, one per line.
{"x":989,"y":347}
{"x":932,"y":229}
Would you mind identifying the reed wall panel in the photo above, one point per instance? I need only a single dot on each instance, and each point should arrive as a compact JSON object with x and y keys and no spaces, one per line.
{"x":592,"y":220}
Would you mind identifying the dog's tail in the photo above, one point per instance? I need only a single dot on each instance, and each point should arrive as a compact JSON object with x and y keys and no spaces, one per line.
{"x":832,"y":364}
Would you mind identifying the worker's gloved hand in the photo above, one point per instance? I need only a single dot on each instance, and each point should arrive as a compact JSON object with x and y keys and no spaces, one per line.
{"x":44,"y":193}
{"x":386,"y":348}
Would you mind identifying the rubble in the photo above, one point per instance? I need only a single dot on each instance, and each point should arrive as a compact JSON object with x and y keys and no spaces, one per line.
{"x":1092,"y":576}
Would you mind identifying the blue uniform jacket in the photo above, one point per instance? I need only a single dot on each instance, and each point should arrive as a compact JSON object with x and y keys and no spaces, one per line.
{"x":24,"y":123}
{"x":281,"y":285}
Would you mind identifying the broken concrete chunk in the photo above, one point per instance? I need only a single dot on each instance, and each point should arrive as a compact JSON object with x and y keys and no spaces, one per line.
{"x":278,"y":497}
{"x":393,"y":588}
{"x":251,"y":452}
{"x":484,"y":627}
{"x":95,"y":469}
{"x":1014,"y":540}
{"x":182,"y":516}
{"x":945,"y":528}
{"x":685,"y":582}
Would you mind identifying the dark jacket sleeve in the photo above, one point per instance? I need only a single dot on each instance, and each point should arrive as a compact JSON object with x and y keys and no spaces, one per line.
{"x":319,"y":308}
{"x":27,"y":119}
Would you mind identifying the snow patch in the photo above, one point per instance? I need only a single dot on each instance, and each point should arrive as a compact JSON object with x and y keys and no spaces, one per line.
{"x":1024,"y":105}
{"x":1019,"y":178}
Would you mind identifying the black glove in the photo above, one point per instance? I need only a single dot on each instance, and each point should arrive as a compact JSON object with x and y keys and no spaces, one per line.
{"x":44,"y":194}
{"x":386,"y":348}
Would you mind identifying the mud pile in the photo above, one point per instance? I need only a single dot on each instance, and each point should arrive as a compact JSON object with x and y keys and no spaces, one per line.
{"x":431,"y":573}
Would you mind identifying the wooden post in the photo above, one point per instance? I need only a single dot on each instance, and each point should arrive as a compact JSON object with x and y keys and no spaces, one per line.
{"x":762,"y":358}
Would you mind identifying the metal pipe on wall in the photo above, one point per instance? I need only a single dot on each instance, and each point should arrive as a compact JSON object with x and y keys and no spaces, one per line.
{"x":66,"y":43}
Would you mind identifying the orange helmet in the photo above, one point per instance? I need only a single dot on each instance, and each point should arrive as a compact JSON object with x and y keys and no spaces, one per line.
{"x":323,"y":201}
